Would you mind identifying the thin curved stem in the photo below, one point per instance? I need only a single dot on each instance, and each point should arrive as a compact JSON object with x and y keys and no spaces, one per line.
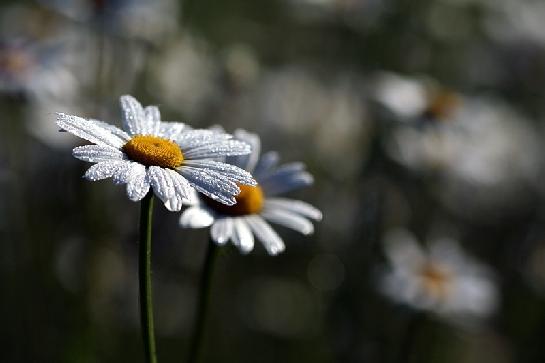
{"x":203,"y":302}
{"x":144,"y":277}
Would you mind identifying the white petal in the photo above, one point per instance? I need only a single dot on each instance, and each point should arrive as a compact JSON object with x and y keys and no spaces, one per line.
{"x":123,"y":172}
{"x":96,"y":153}
{"x":152,"y":113}
{"x":295,"y":206}
{"x":134,"y":118}
{"x":267,"y":161}
{"x":222,"y":230}
{"x":230,"y":172}
{"x":242,"y":235}
{"x":137,"y":182}
{"x":182,"y":187}
{"x":288,"y":219}
{"x":154,"y":119}
{"x":163,"y":186}
{"x":113,"y":129}
{"x":270,"y":239}
{"x":196,"y":217}
{"x":196,"y":138}
{"x":105,"y":169}
{"x":283,"y":183}
{"x":171,"y":130}
{"x":211,"y":184}
{"x":403,"y":251}
{"x":285,"y":169}
{"x":249,"y":161}
{"x":216,"y":149}
{"x":89,"y":131}
{"x":175,"y":203}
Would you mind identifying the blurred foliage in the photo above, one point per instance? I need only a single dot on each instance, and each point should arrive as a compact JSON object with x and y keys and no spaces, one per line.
{"x":303,"y":74}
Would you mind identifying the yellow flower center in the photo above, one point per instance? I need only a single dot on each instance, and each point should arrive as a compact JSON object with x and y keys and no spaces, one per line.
{"x":14,"y":61}
{"x":154,"y":151}
{"x":249,"y":201}
{"x":435,"y":280}
{"x":442,"y":104}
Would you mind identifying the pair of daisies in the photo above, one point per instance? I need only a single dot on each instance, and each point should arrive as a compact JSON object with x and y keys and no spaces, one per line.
{"x":176,"y":162}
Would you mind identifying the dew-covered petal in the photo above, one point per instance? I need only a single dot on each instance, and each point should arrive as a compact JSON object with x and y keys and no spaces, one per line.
{"x":182,"y":187}
{"x":135,"y":120}
{"x":122,"y":174}
{"x":211,"y":184}
{"x":152,"y":114}
{"x":197,"y":138}
{"x":105,"y":169}
{"x":288,"y":219}
{"x":196,"y":217}
{"x":163,"y":186}
{"x":171,"y":130}
{"x":97,"y":153}
{"x":294,"y":206}
{"x":153,"y":117}
{"x":222,"y":230}
{"x":137,"y":182}
{"x":270,"y":239}
{"x":231,"y":172}
{"x":216,"y":149}
{"x":89,"y":131}
{"x":242,"y":236}
{"x":282,"y":183}
{"x":247,"y":161}
{"x":267,"y":161}
{"x":175,"y":203}
{"x":113,"y":129}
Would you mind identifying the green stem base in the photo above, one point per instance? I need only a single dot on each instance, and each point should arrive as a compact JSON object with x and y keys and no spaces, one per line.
{"x":144,"y":278}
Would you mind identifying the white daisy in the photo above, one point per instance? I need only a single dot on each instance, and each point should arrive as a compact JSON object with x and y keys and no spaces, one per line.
{"x":169,"y":157}
{"x":256,"y":204}
{"x":441,"y":279}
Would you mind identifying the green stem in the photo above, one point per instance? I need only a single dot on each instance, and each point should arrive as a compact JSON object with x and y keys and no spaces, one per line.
{"x":202,"y":307}
{"x":144,"y":277}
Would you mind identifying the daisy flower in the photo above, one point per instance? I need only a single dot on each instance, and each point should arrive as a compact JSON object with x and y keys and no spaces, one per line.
{"x":168,"y":157}
{"x":257,"y":204}
{"x":441,"y":279}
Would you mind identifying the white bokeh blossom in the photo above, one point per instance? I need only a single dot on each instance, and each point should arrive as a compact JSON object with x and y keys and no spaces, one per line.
{"x":168,"y":157}
{"x":257,"y":205}
{"x":440,"y":278}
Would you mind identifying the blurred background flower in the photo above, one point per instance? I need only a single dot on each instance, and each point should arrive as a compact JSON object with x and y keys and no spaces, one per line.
{"x":426,"y":114}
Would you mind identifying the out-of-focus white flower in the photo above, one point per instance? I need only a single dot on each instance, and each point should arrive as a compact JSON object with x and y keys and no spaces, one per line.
{"x":36,"y":68}
{"x":167,"y":156}
{"x":331,"y":113}
{"x":515,"y":20}
{"x":478,"y":148}
{"x":412,"y":98}
{"x":186,"y":77}
{"x":255,"y":204}
{"x":441,"y":278}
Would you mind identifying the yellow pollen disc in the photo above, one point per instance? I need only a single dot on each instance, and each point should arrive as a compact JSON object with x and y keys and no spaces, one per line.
{"x":442,"y":104}
{"x":435,"y":280}
{"x":154,"y":151}
{"x":14,"y":61}
{"x":249,"y":201}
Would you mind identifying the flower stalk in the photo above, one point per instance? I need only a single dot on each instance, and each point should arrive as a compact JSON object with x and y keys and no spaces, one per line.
{"x":144,"y":278}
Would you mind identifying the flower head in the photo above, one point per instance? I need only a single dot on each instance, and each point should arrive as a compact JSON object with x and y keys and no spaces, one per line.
{"x":257,"y":204}
{"x":441,"y":279}
{"x":169,"y":157}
